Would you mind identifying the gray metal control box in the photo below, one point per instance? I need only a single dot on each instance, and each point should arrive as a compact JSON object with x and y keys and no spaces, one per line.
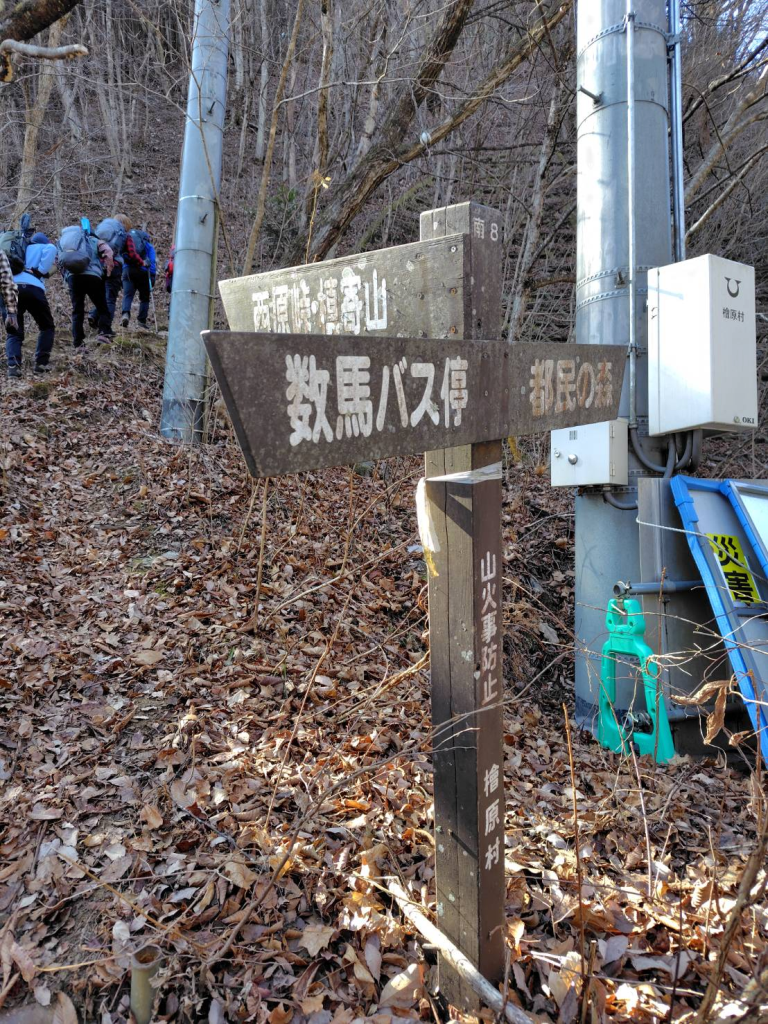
{"x":590,"y":455}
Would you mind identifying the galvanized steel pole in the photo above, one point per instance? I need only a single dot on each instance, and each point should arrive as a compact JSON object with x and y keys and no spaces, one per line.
{"x":623,"y":228}
{"x":197,"y":224}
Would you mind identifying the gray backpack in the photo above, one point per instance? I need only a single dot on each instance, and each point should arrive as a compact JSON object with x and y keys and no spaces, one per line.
{"x":111,"y":231}
{"x":75,"y":250}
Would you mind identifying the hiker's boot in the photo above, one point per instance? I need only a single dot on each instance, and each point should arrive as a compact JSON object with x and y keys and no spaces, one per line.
{"x":104,"y":339}
{"x":124,"y":320}
{"x":42,"y":368}
{"x":14,"y":370}
{"x":142,"y":325}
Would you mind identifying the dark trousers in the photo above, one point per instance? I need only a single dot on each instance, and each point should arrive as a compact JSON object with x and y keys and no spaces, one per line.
{"x":82,"y":286}
{"x":136,"y":279}
{"x":32,"y":300}
{"x":112,"y":286}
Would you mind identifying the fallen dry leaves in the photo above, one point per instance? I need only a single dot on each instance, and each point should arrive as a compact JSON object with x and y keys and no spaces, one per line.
{"x":171,"y":776}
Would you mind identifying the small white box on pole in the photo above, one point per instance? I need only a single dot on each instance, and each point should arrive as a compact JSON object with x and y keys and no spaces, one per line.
{"x":590,"y":455}
{"x":702,"y":365}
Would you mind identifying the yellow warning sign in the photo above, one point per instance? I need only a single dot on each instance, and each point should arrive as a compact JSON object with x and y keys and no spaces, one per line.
{"x":733,"y":563}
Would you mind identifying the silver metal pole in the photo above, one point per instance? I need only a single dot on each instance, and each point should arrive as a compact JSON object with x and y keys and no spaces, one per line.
{"x":676,"y":123}
{"x":610,"y":265}
{"x":184,"y":389}
{"x":629,"y":22}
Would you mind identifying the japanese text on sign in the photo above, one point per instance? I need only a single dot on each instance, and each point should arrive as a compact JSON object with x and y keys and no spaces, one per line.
{"x":491,"y":798}
{"x":729,"y":313}
{"x":734,"y":567}
{"x":567,"y":384}
{"x":342,"y":304}
{"x":355,"y":414}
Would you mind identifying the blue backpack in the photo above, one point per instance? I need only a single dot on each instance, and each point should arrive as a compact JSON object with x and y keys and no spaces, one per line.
{"x":140,"y":239}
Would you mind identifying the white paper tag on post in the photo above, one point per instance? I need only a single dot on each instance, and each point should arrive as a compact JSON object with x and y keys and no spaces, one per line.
{"x":427,"y":531}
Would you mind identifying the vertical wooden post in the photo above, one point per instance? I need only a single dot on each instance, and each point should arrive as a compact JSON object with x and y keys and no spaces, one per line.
{"x":466,"y":648}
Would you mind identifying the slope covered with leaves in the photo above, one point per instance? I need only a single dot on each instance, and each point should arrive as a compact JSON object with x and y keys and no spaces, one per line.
{"x":237,"y":789}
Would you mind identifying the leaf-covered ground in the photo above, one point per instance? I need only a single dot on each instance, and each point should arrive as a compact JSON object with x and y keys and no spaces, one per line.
{"x":236,"y":789}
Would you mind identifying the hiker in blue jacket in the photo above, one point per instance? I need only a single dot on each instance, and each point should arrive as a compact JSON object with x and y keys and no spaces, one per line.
{"x":139,"y":279}
{"x":39,"y":260}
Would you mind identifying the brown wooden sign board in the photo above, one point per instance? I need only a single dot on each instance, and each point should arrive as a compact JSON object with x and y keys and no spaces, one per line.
{"x":302,"y":402}
{"x":409,"y":318}
{"x":413,"y":290}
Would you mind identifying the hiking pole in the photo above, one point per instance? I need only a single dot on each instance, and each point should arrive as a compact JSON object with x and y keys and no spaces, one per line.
{"x":152,"y":298}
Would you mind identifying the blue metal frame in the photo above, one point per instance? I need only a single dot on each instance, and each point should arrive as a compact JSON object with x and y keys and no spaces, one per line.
{"x":683,"y":491}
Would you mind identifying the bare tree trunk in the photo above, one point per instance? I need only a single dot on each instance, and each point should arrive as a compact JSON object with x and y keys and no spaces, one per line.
{"x":321,"y":143}
{"x":261,"y":127}
{"x":36,"y":109}
{"x":369,"y":125}
{"x":289,"y":164}
{"x":262,"y":199}
{"x":520,"y":289}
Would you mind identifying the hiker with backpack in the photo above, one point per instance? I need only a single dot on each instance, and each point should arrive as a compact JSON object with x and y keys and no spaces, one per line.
{"x":83,"y":261}
{"x":13,"y":244}
{"x":40,"y":256}
{"x":8,"y":294}
{"x":139,"y":279}
{"x":115,"y":232}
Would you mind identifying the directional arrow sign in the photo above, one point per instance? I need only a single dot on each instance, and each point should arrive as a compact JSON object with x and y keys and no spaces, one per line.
{"x":300,"y":402}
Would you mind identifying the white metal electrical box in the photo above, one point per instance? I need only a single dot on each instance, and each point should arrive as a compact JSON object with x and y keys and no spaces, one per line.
{"x":702,"y":364}
{"x":591,"y":454}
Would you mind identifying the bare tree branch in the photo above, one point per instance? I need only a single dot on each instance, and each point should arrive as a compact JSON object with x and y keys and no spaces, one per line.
{"x":22,"y":21}
{"x":392,"y":152}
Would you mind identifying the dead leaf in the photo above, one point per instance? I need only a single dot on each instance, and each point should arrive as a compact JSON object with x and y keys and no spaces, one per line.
{"x":239,"y":874}
{"x":716,"y":720}
{"x":148,"y":657}
{"x":372,"y":953}
{"x":704,"y":694}
{"x":281,"y":1014}
{"x":42,"y":995}
{"x":405,"y":989}
{"x":65,"y":1012}
{"x":567,"y":977}
{"x":675,"y":965}
{"x":42,"y":813}
{"x":150,"y":815}
{"x":613,"y":948}
{"x":23,"y":961}
{"x":117,"y":868}
{"x":316,"y":937}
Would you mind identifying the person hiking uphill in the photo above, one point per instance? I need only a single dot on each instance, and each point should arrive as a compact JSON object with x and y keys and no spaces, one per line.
{"x":13,"y":245}
{"x":115,"y":231}
{"x":39,"y":259}
{"x":8,"y":295}
{"x":141,"y":280}
{"x":83,"y":261}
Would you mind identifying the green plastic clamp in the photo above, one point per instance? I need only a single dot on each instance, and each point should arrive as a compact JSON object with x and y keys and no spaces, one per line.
{"x":626,"y":628}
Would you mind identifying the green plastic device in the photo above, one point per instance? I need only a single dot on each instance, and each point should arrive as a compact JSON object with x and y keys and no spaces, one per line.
{"x":626,"y":629}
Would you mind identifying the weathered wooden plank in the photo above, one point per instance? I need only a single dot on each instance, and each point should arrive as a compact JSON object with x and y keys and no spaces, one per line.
{"x":301,"y":402}
{"x":471,"y":914}
{"x":414,"y":290}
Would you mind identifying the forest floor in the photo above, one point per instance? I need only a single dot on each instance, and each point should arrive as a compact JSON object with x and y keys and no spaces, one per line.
{"x":238,"y":791}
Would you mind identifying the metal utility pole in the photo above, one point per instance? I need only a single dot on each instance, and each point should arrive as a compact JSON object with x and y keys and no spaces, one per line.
{"x":197,"y":225}
{"x":623,"y":228}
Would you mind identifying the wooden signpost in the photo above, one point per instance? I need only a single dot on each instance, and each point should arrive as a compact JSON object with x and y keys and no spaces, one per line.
{"x":380,"y":354}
